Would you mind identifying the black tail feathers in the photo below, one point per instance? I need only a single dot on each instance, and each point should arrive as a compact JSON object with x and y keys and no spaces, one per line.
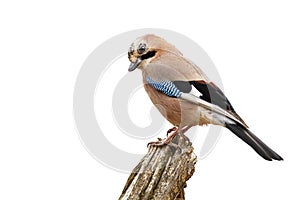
{"x":247,"y":136}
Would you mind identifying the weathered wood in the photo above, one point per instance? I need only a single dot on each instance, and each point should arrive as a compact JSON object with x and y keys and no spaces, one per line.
{"x":162,"y":173}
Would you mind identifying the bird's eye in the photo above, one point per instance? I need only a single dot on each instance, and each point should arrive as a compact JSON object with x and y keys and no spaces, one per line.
{"x":142,"y":48}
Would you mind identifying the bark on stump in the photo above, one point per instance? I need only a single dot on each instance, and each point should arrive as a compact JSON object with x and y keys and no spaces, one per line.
{"x":162,"y":173}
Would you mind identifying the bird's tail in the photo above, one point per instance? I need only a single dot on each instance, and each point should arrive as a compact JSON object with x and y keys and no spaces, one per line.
{"x":247,"y":136}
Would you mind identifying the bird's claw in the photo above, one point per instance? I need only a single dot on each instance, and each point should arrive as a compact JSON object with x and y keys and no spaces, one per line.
{"x":171,"y":130}
{"x":167,"y":141}
{"x":158,"y":143}
{"x":164,"y":142}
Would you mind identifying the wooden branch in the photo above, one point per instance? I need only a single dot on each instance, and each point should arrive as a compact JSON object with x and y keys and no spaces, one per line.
{"x":162,"y":173}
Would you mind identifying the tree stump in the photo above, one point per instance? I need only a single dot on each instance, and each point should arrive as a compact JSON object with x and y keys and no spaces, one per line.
{"x":162,"y":173}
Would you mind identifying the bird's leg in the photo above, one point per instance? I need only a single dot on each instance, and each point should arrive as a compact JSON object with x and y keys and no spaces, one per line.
{"x":169,"y":138}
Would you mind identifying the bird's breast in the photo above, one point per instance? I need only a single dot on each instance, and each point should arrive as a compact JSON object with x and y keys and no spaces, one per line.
{"x":178,"y":112}
{"x":169,"y":107}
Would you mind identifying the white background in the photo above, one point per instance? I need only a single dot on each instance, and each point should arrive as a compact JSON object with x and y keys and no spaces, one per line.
{"x":254,"y":45}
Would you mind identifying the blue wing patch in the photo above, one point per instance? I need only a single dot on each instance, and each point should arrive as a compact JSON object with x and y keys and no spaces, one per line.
{"x":167,"y":87}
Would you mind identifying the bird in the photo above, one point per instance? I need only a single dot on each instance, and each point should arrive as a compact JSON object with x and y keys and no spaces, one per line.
{"x":184,"y":95}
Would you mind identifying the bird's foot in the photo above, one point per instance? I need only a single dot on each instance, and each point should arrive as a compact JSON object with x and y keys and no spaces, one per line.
{"x":166,"y":141}
{"x":163,"y":142}
{"x":159,"y":143}
{"x":171,"y":130}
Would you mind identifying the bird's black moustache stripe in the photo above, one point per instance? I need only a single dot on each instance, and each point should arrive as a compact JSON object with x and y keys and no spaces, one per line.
{"x":150,"y":54}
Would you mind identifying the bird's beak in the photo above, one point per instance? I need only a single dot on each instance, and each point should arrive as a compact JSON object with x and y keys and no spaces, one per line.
{"x":134,"y":65}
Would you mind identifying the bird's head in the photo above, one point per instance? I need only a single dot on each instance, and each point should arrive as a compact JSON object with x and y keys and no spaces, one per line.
{"x":146,"y":48}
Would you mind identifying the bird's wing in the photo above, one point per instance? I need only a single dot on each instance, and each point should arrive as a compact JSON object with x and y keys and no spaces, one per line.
{"x":186,"y":78}
{"x":211,"y":93}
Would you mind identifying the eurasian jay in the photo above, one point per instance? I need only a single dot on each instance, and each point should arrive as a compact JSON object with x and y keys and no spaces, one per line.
{"x":184,"y":95}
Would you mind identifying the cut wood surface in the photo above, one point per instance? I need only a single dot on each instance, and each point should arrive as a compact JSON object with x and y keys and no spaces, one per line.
{"x":162,"y":173}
